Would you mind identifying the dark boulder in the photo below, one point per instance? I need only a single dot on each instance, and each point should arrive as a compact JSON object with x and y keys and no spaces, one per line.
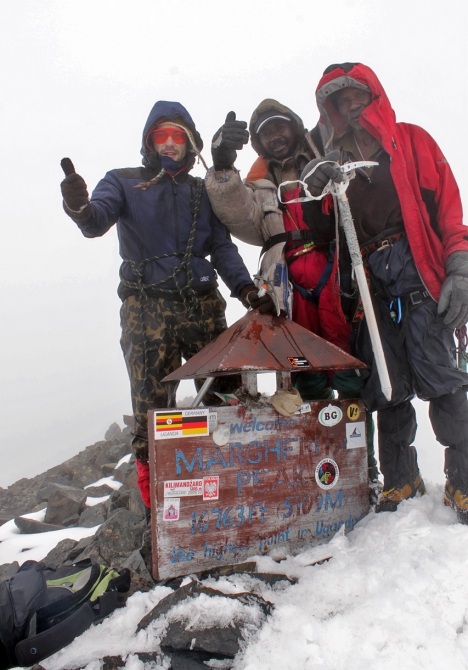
{"x":127,"y":474}
{"x":141,"y":578}
{"x":194,"y":589}
{"x":117,"y":500}
{"x":71,"y":520}
{"x":99,"y":491}
{"x":30,"y":526}
{"x":117,"y":538}
{"x":113,"y":432}
{"x":129,"y":420}
{"x":116,"y":452}
{"x":225,"y":641}
{"x":64,"y":501}
{"x":59,"y":554}
{"x":108,"y":469}
{"x":94,"y":515}
{"x":135,"y":502}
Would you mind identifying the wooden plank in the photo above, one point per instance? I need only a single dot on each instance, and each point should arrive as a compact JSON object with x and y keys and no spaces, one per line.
{"x":277,"y":484}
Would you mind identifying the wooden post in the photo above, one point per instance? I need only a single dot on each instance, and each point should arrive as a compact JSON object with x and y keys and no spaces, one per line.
{"x":249,"y":382}
{"x":283,"y":381}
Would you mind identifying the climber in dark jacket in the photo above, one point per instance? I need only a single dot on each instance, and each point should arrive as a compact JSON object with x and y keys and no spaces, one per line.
{"x":166,"y":229}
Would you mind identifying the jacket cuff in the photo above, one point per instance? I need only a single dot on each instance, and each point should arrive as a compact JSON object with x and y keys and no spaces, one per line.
{"x":81,"y":215}
{"x":222,"y":174}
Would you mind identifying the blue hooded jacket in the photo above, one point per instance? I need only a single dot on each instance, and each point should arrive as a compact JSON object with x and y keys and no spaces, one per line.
{"x":154,"y":222}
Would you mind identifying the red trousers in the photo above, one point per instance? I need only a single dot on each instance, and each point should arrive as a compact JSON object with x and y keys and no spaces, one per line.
{"x":143,"y":482}
{"x":324,"y":320}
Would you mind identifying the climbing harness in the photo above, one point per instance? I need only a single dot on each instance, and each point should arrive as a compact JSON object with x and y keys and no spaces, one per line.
{"x":314,"y":294}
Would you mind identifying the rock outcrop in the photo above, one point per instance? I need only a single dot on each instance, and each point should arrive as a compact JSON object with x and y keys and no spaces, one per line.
{"x":74,"y":496}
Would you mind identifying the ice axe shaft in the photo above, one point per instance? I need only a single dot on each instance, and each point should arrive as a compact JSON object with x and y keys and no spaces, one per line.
{"x":356,"y":259}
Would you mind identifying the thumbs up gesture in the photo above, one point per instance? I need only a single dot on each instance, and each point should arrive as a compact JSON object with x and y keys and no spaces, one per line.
{"x":74,"y":192}
{"x":231,"y":136}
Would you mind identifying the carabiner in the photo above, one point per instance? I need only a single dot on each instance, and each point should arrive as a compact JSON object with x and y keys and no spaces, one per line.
{"x":395,"y":317}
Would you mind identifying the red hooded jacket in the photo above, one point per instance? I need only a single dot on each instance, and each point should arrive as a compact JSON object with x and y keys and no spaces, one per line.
{"x":427,"y":190}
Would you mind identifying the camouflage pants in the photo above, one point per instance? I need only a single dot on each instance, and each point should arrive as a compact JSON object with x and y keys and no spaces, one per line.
{"x":162,"y":328}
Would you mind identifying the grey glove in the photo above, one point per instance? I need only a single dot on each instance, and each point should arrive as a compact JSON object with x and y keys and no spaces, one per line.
{"x":231,"y":136}
{"x":322,"y":175}
{"x":454,"y":292}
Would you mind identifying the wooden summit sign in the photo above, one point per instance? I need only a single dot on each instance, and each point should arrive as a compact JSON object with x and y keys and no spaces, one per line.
{"x":228,"y":483}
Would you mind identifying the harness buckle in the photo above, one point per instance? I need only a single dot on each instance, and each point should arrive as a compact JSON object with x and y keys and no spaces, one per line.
{"x":418,"y":297}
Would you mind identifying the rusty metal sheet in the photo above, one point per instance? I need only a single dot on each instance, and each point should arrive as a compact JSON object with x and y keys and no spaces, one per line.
{"x":263,"y":342}
{"x":275,"y":484}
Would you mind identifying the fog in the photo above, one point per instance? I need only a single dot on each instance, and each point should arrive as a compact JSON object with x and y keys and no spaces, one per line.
{"x":79,"y":80}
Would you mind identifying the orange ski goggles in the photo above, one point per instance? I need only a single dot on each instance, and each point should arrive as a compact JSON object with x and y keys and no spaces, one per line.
{"x":161,"y":135}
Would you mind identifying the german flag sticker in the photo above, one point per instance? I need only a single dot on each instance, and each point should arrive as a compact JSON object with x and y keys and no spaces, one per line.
{"x":181,"y":423}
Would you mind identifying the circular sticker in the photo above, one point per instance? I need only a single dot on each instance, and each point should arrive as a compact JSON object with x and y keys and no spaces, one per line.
{"x":353,"y":412}
{"x":330,"y":416}
{"x":327,"y":473}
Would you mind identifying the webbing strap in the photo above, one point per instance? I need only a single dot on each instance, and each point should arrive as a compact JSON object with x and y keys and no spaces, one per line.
{"x":314,"y":295}
{"x":288,"y":236}
{"x":411,"y":302}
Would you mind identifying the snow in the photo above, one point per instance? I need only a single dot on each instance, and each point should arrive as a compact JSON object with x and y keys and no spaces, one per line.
{"x":124,"y":459}
{"x":90,"y":501}
{"x":34,"y":546}
{"x":110,"y":481}
{"x":394,"y":594}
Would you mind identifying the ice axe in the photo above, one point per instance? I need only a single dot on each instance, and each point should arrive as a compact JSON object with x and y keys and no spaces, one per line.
{"x":338,"y":189}
{"x":268,"y":288}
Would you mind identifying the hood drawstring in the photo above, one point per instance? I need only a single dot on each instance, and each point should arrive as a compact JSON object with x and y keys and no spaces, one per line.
{"x":145,"y":184}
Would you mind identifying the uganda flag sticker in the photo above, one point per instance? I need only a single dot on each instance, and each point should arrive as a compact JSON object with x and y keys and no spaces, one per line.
{"x":180,"y":423}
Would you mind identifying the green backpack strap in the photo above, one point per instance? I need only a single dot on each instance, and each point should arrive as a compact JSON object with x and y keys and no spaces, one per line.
{"x":36,"y":648}
{"x":100,"y":602}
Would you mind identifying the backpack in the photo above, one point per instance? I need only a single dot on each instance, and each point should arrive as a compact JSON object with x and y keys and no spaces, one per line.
{"x":43,"y":607}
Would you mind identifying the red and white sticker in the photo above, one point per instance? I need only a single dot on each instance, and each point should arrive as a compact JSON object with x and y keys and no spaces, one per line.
{"x":178,"y":488}
{"x":211,"y":488}
{"x":171,"y":510}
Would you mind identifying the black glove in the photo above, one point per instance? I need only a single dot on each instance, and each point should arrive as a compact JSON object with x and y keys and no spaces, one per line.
{"x":231,"y":136}
{"x":249,"y":298}
{"x":454,"y":292}
{"x":74,"y":192}
{"x":322,"y":175}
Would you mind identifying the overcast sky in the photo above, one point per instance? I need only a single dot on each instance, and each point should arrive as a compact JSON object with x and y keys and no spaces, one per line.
{"x":79,"y":79}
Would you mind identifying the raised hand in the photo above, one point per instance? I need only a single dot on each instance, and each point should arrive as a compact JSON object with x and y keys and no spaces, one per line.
{"x":230,"y":137}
